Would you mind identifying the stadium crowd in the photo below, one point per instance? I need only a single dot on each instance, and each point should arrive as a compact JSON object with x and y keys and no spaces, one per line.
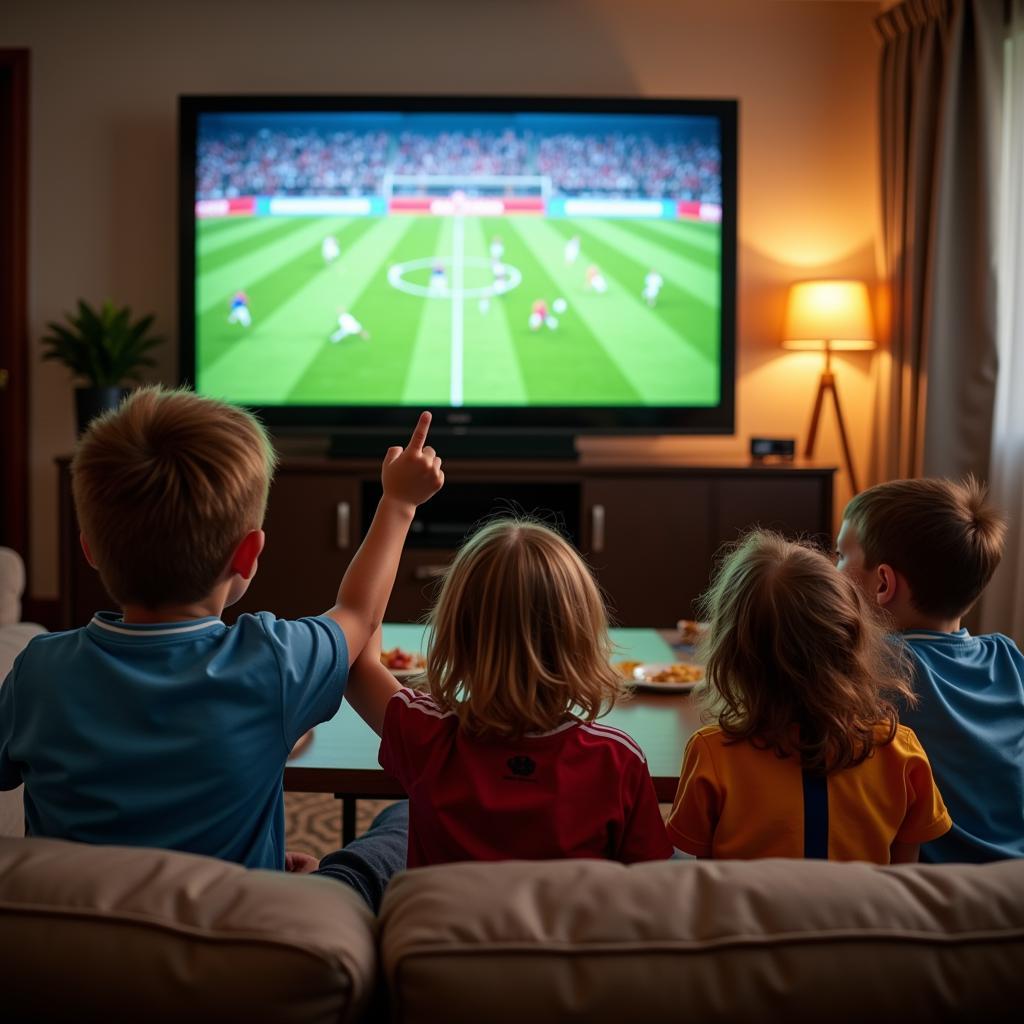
{"x":356,"y":163}
{"x":291,"y":163}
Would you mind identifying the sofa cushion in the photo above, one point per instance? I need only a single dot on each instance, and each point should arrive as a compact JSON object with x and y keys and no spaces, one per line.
{"x":112,"y":933}
{"x":704,"y":941}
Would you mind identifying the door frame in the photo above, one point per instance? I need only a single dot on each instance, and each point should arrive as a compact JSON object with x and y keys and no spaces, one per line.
{"x":14,"y":349}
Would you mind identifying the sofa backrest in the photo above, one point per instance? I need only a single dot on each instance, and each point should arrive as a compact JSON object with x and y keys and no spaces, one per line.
{"x":704,"y":941}
{"x":112,"y":933}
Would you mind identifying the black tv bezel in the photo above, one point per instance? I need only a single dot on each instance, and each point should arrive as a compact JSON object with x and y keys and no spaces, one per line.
{"x":567,"y":419}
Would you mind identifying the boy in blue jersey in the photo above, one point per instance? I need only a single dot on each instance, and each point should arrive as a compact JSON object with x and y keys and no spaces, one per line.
{"x":925,"y":550}
{"x":162,"y":726}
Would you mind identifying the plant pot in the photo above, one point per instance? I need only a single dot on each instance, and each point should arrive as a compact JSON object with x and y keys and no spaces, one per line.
{"x":91,"y":402}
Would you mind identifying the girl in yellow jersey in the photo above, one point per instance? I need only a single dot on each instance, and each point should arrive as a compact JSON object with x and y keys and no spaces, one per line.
{"x":807,"y":757}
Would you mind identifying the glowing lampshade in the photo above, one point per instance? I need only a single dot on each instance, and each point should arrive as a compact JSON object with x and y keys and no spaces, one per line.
{"x":832,"y":315}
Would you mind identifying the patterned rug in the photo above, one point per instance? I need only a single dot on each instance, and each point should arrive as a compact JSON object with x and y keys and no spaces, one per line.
{"x":313,"y":821}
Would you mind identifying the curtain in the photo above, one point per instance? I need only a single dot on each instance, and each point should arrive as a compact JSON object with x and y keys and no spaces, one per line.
{"x":939,"y":102}
{"x":1002,"y":607}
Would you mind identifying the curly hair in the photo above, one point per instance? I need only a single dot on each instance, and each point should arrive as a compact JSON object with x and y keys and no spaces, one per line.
{"x":797,"y":661}
{"x":519,"y":634}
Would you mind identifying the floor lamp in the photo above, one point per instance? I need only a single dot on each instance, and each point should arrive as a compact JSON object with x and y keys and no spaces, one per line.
{"x":829,"y":316}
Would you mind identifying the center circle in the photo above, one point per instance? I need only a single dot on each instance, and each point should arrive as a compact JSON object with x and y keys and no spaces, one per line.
{"x":397,"y":272}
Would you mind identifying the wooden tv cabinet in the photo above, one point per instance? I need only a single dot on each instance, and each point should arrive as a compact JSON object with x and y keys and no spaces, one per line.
{"x":650,"y":530}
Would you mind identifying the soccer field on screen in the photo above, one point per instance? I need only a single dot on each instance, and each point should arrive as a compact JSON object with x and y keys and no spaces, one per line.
{"x":461,"y":344}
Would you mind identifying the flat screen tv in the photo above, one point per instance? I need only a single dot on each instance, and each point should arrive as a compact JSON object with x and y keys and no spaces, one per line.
{"x":516,"y":265}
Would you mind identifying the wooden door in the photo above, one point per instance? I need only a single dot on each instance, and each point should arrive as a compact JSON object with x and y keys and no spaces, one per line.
{"x":14,"y":65}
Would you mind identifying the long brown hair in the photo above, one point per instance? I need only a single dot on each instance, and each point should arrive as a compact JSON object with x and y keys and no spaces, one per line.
{"x":519,"y":634}
{"x":797,"y":660}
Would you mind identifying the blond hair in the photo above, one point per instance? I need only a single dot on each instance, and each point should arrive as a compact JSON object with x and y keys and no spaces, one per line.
{"x":165,"y":487}
{"x":519,"y":634}
{"x":797,"y":659}
{"x":940,"y":534}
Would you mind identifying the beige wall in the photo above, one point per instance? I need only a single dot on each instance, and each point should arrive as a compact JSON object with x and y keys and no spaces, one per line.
{"x":106,"y":74}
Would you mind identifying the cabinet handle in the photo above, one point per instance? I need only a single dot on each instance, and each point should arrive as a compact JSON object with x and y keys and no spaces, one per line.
{"x":597,"y":528}
{"x":429,"y":572}
{"x":342,"y":525}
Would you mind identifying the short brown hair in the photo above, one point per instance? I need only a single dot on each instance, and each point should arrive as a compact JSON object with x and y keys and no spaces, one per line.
{"x":797,"y":661}
{"x":519,"y":634}
{"x":165,"y":487}
{"x":940,"y":534}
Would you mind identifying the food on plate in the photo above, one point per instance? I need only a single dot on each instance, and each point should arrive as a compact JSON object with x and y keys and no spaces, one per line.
{"x":626,"y":669}
{"x":676,"y":673}
{"x":691,"y":633}
{"x":398,"y":660}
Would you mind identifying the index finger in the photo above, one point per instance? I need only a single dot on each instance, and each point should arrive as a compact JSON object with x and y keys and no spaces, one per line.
{"x":419,"y":435}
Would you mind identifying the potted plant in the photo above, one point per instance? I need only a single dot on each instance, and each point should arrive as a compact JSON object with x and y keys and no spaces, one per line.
{"x":104,"y":348}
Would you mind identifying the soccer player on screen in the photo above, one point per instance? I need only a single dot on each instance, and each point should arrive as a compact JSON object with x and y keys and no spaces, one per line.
{"x":497,"y":249}
{"x":500,"y":272}
{"x":540,"y":317}
{"x":330,"y":250}
{"x":240,"y":310}
{"x":572,"y":250}
{"x":595,"y":280}
{"x":348,"y":326}
{"x":652,"y":285}
{"x":438,"y":280}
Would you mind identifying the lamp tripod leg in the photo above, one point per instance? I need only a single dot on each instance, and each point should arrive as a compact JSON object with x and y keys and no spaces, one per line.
{"x":812,"y":433}
{"x":845,"y":440}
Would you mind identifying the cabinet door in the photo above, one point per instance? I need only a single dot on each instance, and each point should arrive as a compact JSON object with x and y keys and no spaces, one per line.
{"x":417,"y":584}
{"x":649,"y":543}
{"x":312,"y":529}
{"x":794,"y":506}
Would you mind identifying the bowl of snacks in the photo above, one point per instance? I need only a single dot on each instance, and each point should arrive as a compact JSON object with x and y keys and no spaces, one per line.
{"x":403,"y":664}
{"x":691,"y":633}
{"x":672,"y":677}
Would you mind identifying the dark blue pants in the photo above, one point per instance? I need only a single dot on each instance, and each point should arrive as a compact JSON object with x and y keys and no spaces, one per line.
{"x":368,"y":863}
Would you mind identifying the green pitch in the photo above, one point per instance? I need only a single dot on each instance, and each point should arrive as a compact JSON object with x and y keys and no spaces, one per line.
{"x":437,"y":349}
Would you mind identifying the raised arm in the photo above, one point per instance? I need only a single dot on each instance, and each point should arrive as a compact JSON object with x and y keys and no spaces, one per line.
{"x":371,"y":685}
{"x":410,"y":476}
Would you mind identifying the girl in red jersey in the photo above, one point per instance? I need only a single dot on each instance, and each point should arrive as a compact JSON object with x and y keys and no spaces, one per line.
{"x":503,"y":757}
{"x":807,"y":757}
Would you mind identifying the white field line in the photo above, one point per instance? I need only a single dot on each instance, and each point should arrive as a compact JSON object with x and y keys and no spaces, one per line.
{"x":458,"y":282}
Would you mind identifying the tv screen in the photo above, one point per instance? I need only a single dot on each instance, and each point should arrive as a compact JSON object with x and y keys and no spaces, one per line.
{"x":565,"y":265}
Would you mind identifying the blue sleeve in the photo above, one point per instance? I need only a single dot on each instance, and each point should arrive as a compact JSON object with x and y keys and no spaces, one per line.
{"x":10,"y":773}
{"x":313,"y":658}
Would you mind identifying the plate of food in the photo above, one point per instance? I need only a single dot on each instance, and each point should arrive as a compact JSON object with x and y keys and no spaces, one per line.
{"x":403,"y":664}
{"x":691,"y":633}
{"x":669,"y":677}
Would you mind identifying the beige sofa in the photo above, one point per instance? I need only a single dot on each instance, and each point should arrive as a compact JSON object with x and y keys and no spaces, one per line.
{"x":14,"y":635}
{"x":108,"y":933}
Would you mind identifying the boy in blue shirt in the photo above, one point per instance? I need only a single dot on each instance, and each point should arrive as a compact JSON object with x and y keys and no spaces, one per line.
{"x":162,"y":726}
{"x":924,"y":550}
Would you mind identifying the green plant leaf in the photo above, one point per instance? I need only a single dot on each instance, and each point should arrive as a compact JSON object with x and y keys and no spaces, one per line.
{"x":102,"y":346}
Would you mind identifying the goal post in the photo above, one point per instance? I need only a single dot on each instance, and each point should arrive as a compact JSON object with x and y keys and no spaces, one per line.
{"x":483,"y":195}
{"x":470,"y":185}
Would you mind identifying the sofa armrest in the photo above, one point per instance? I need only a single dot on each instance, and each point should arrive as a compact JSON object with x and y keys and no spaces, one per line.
{"x":113,"y":933}
{"x":12,"y":586}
